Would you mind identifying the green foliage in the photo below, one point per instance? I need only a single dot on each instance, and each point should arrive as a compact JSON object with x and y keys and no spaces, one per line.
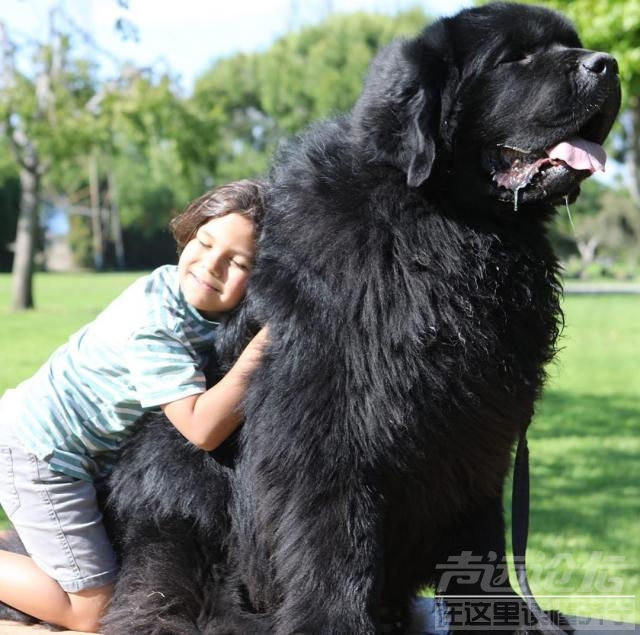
{"x":145,"y":197}
{"x":156,"y":150}
{"x":71,"y":119}
{"x":80,"y":241}
{"x":147,"y":113}
{"x":303,"y":77}
{"x":148,"y":196}
{"x":229,"y":93}
{"x":49,"y":106}
{"x":318,"y":71}
{"x":160,"y":148}
{"x":617,"y":225}
{"x":599,"y":235}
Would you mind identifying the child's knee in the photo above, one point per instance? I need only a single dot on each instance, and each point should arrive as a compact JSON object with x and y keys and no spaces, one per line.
{"x":88,"y":608}
{"x":86,"y":623}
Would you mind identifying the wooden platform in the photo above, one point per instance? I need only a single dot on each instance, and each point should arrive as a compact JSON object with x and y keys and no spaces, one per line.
{"x":426,"y":621}
{"x":11,"y":628}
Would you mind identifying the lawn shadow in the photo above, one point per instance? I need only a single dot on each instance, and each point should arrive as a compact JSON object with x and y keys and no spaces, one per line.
{"x":561,"y":414}
{"x":585,"y":483}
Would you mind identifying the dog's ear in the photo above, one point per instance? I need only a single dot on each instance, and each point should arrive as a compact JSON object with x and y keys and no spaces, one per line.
{"x":397,"y":117}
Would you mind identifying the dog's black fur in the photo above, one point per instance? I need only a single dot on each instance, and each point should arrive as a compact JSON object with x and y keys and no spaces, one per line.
{"x":412,"y":310}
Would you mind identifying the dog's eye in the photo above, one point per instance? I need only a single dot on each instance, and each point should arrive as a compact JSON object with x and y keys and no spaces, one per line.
{"x":517,"y":58}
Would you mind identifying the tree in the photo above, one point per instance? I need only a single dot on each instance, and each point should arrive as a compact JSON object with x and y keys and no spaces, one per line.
{"x":44,"y":120}
{"x":9,"y":204}
{"x":151,"y":152}
{"x":70,"y":132}
{"x":611,"y":234}
{"x":304,"y":76}
{"x":318,"y":71}
{"x":229,"y":94}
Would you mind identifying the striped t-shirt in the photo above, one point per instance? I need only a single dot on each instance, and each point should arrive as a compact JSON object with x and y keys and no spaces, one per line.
{"x":147,"y":348}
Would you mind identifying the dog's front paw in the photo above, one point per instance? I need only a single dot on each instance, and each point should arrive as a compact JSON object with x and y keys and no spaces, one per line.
{"x":394,"y":620}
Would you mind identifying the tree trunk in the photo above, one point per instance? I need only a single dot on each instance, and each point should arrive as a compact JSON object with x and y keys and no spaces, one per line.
{"x":632,"y":155}
{"x":116,"y":225}
{"x":22,"y":272}
{"x":587,"y":250}
{"x":96,"y":215}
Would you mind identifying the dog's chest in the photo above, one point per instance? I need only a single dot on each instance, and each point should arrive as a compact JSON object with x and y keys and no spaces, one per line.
{"x":465,"y":304}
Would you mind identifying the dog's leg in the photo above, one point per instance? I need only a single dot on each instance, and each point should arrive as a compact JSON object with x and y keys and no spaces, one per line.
{"x":160,"y":590}
{"x":473,"y":577}
{"x":326,"y":555}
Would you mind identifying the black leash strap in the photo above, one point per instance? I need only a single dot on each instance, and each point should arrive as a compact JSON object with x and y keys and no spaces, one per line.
{"x":520,"y":532}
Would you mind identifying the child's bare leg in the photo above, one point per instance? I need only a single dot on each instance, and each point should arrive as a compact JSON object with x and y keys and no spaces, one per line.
{"x":68,"y":577}
{"x":27,"y":588}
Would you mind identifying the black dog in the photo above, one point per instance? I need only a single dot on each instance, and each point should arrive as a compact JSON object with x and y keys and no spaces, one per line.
{"x":413,"y":301}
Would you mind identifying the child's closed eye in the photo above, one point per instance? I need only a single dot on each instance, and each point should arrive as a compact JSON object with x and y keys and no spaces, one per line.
{"x":241,"y":265}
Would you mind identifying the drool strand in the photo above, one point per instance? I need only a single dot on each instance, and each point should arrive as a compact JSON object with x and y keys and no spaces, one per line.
{"x":566,"y":205}
{"x":515,"y":199}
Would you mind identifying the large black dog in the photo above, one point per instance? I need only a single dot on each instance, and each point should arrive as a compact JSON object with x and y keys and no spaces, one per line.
{"x":413,"y":301}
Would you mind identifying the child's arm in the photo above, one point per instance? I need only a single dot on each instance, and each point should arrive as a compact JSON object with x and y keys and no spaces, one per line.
{"x":209,"y":418}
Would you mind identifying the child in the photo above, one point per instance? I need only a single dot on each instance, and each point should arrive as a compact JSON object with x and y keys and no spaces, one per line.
{"x":62,"y":429}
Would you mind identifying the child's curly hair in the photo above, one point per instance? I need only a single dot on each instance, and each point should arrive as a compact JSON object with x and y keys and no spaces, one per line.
{"x":244,"y":197}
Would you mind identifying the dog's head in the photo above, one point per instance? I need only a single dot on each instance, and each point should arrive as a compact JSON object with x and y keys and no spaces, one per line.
{"x":501,"y":101}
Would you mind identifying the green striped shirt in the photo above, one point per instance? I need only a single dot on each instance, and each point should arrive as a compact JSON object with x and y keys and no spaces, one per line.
{"x":147,"y":348}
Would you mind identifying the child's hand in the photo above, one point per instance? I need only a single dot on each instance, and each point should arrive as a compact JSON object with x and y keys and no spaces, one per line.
{"x":208,"y":418}
{"x":262,"y":336}
{"x":255,"y":347}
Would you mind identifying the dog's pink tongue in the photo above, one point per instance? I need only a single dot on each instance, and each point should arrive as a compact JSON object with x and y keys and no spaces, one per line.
{"x":580,"y":154}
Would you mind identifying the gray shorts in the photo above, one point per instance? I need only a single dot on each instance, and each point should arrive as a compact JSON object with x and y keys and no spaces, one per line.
{"x":57,"y":518}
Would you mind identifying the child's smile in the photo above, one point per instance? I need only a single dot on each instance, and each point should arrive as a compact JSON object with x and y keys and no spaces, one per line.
{"x":214,"y":266}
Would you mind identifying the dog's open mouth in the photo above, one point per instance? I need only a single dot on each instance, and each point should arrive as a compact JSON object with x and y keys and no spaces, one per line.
{"x":514,"y":169}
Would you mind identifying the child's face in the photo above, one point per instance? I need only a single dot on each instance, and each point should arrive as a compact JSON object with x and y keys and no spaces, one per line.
{"x":214,"y":266}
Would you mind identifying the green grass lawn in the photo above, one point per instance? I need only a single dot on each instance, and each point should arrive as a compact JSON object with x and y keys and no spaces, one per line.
{"x":64,"y":303}
{"x":585,"y":460}
{"x":585,"y":440}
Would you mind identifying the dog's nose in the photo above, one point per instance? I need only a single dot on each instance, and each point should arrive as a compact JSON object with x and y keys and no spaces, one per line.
{"x":600,"y":64}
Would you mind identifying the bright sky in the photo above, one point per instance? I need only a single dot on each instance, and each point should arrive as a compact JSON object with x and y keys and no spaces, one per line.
{"x":189,"y":34}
